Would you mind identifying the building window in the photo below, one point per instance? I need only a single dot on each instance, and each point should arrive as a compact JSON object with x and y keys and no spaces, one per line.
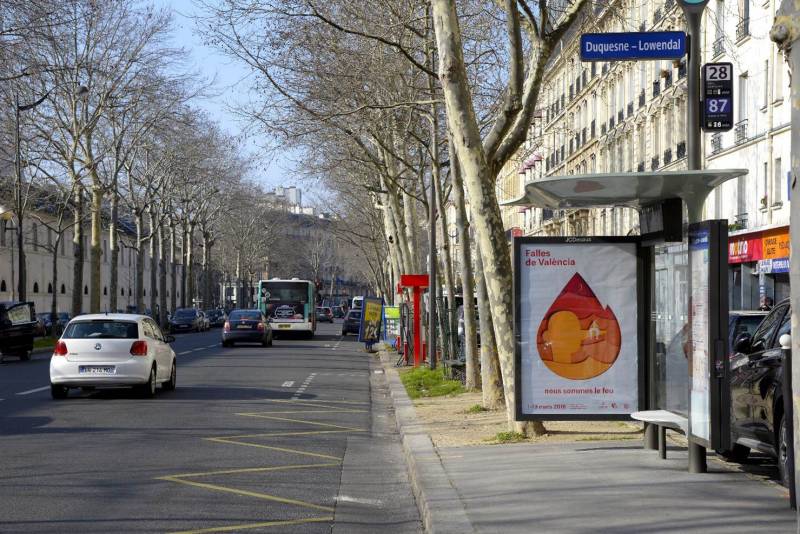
{"x":105,"y":290}
{"x":85,"y":290}
{"x":3,"y":286}
{"x":765,"y":96}
{"x":777,"y":184}
{"x":779,"y":77}
{"x":49,"y":288}
{"x":36,"y":287}
{"x":122,"y":291}
{"x":63,"y":289}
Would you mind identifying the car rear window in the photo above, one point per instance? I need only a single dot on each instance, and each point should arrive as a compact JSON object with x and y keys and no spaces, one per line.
{"x":247,"y":316}
{"x":355,"y":315}
{"x":102,"y":330}
{"x":185,"y":313}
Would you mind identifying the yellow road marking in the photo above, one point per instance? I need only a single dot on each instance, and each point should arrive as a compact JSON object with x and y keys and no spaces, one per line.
{"x":233,"y":528}
{"x":335,"y":409}
{"x":289,"y":419}
{"x":247,"y":470}
{"x":272,"y":448}
{"x":282,"y":434}
{"x":246,"y":493}
{"x":304,"y":401}
{"x":330,"y":410}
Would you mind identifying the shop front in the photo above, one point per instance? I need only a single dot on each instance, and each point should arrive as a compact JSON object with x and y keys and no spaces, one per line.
{"x":758,"y":268}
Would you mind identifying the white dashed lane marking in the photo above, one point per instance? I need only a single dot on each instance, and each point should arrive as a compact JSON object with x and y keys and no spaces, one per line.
{"x":184,"y":352}
{"x":288,"y":384}
{"x":303,"y":387}
{"x":37,"y":390}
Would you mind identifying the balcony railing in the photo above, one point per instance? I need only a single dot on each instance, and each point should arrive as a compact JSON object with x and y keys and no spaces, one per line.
{"x":603,"y":129}
{"x":641,"y":98}
{"x":668,"y":156}
{"x":654,"y":163}
{"x":657,"y":16}
{"x":592,"y":129}
{"x":630,"y":109}
{"x":681,"y":152}
{"x":719,"y":47}
{"x":668,"y":79}
{"x":668,"y":4}
{"x":740,"y":131}
{"x":716,"y":143}
{"x":547,"y":214}
{"x":740,"y":221}
{"x":640,"y":167}
{"x":656,"y":88}
{"x":620,"y":116}
{"x":742,"y":29}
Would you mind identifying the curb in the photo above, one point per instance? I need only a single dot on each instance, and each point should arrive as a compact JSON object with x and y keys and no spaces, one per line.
{"x":440,"y":507}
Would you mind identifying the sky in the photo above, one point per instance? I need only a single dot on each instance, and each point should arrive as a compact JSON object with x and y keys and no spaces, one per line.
{"x":231,"y":88}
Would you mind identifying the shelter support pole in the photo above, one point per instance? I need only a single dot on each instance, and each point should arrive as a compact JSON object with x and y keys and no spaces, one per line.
{"x":697,"y":453}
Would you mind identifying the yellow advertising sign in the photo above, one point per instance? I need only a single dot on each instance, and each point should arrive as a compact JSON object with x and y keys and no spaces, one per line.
{"x":372,"y":310}
{"x":775,"y":244}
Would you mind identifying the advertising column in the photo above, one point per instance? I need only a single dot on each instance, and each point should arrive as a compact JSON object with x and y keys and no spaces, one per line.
{"x":577,"y":313}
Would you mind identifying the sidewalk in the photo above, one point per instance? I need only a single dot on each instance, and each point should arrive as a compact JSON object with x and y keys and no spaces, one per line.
{"x":579,"y":487}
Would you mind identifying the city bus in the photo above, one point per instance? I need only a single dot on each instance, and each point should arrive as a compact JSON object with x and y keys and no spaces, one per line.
{"x":289,"y":304}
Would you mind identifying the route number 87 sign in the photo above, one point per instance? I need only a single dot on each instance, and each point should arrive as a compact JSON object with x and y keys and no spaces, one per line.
{"x":717,"y":97}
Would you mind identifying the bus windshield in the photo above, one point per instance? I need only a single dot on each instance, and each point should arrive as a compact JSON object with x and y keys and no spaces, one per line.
{"x":284,"y":300}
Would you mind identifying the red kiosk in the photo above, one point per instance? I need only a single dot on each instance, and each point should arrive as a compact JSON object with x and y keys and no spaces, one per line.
{"x":417,"y":283}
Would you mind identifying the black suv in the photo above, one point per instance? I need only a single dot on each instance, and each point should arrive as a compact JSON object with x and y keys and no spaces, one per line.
{"x":352,"y":322}
{"x":757,"y":420}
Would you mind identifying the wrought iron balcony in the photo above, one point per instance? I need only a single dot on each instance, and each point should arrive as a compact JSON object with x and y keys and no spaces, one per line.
{"x":630,"y":109}
{"x":681,"y":152}
{"x":547,"y":214}
{"x":654,"y":163}
{"x":740,"y":221}
{"x":668,"y":4}
{"x":742,"y":29}
{"x":656,"y":88}
{"x":640,"y":167}
{"x":592,"y":129}
{"x":657,"y":16}
{"x":719,"y":47}
{"x":641,"y":98}
{"x":668,"y":156}
{"x":740,"y":131}
{"x":716,"y":143}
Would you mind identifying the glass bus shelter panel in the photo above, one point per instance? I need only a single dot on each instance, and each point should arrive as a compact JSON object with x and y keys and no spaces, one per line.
{"x":670,"y":324}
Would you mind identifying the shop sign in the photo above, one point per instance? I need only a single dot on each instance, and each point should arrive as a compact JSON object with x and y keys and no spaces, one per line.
{"x":773,"y":266}
{"x":577,"y":315}
{"x":775,"y":244}
{"x":744,"y":249}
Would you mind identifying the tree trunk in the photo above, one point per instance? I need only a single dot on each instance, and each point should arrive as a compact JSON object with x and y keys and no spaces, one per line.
{"x":206,"y":269}
{"x":190,"y":281}
{"x":481,"y":188}
{"x":153,"y":262}
{"x":77,"y":253}
{"x":184,"y":270}
{"x":113,"y":245}
{"x":139,"y":262}
{"x":173,"y":298}
{"x":162,"y":279}
{"x":54,"y":266}
{"x":467,"y":281}
{"x":491,"y":379}
{"x":96,"y":250}
{"x":448,"y":305}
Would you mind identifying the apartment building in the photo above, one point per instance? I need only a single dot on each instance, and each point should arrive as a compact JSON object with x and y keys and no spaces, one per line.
{"x":631,"y":116}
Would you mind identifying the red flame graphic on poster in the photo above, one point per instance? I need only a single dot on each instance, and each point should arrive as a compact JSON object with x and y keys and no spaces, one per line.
{"x":578,"y":338}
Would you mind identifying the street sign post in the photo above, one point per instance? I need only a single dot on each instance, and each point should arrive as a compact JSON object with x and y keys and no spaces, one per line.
{"x":632,"y":45}
{"x":717,"y":97}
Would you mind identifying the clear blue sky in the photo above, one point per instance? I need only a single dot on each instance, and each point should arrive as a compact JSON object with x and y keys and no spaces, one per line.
{"x":232,"y":85}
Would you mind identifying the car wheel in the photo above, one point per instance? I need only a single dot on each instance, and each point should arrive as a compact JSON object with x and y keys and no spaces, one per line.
{"x":738,"y":453}
{"x":148,"y":389}
{"x":344,"y":333}
{"x":784,"y":469}
{"x":58,"y":392}
{"x":25,"y":355}
{"x":170,"y":384}
{"x":225,"y":344}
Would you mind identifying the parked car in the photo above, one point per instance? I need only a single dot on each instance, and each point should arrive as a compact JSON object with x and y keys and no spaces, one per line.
{"x":324,"y":314}
{"x":205,"y":323}
{"x":756,"y":373}
{"x":338,"y":312}
{"x":352,"y":322}
{"x":111,"y":350}
{"x":246,"y":326}
{"x":216,"y":317}
{"x":742,"y":322}
{"x":186,"y":320}
{"x":54,"y":324}
{"x":17,"y":329}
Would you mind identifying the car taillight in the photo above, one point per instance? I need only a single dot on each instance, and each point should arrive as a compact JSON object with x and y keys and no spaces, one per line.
{"x":227,"y":327}
{"x":60,"y":349}
{"x":260,"y":327}
{"x":139,"y":348}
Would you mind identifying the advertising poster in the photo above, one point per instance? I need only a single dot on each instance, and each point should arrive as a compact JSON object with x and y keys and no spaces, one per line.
{"x":699,"y":353}
{"x":391,"y":315}
{"x":371,"y":318}
{"x":577,"y":317}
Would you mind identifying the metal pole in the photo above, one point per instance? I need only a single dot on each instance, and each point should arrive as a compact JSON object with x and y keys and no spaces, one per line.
{"x":21,"y":282}
{"x":432,"y":275}
{"x":785,"y":34}
{"x":697,"y":453}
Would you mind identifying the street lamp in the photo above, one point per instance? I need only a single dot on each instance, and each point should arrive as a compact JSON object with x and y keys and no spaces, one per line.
{"x":81,"y":92}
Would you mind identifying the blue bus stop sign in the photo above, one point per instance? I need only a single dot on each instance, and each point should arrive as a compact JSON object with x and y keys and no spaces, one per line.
{"x":632,"y":45}
{"x":693,"y":6}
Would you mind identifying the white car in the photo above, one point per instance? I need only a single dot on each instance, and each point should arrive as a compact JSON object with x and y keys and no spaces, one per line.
{"x":109,"y":350}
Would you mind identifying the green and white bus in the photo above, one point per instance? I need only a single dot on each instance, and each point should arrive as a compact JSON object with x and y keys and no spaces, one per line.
{"x":289,"y":304}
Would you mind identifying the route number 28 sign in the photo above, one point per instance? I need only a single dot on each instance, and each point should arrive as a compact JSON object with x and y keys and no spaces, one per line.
{"x":717,"y":96}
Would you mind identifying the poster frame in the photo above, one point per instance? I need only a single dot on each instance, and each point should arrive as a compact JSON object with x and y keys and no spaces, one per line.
{"x":378,"y":334}
{"x":641,"y":324}
{"x":717,"y":336}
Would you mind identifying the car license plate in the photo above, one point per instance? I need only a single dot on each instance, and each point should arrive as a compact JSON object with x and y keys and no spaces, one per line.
{"x":97,"y":370}
{"x":284,"y":326}
{"x":244,"y":326}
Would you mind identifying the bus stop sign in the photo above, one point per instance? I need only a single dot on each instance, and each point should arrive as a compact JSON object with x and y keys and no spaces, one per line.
{"x":717,"y":96}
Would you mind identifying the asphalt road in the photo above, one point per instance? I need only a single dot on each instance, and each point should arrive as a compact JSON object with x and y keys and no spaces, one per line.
{"x":298,"y":437}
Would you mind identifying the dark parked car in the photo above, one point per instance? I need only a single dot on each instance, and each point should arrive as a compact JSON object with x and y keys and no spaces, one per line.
{"x":324,"y":314}
{"x":338,"y":312}
{"x":54,"y":324}
{"x":742,"y":322}
{"x":756,"y":370}
{"x":216,"y":317}
{"x":246,"y":326}
{"x":352,"y":322}
{"x":17,"y":328}
{"x":186,"y":320}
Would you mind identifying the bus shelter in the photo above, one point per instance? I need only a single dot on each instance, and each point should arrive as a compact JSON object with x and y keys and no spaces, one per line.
{"x":681,"y":317}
